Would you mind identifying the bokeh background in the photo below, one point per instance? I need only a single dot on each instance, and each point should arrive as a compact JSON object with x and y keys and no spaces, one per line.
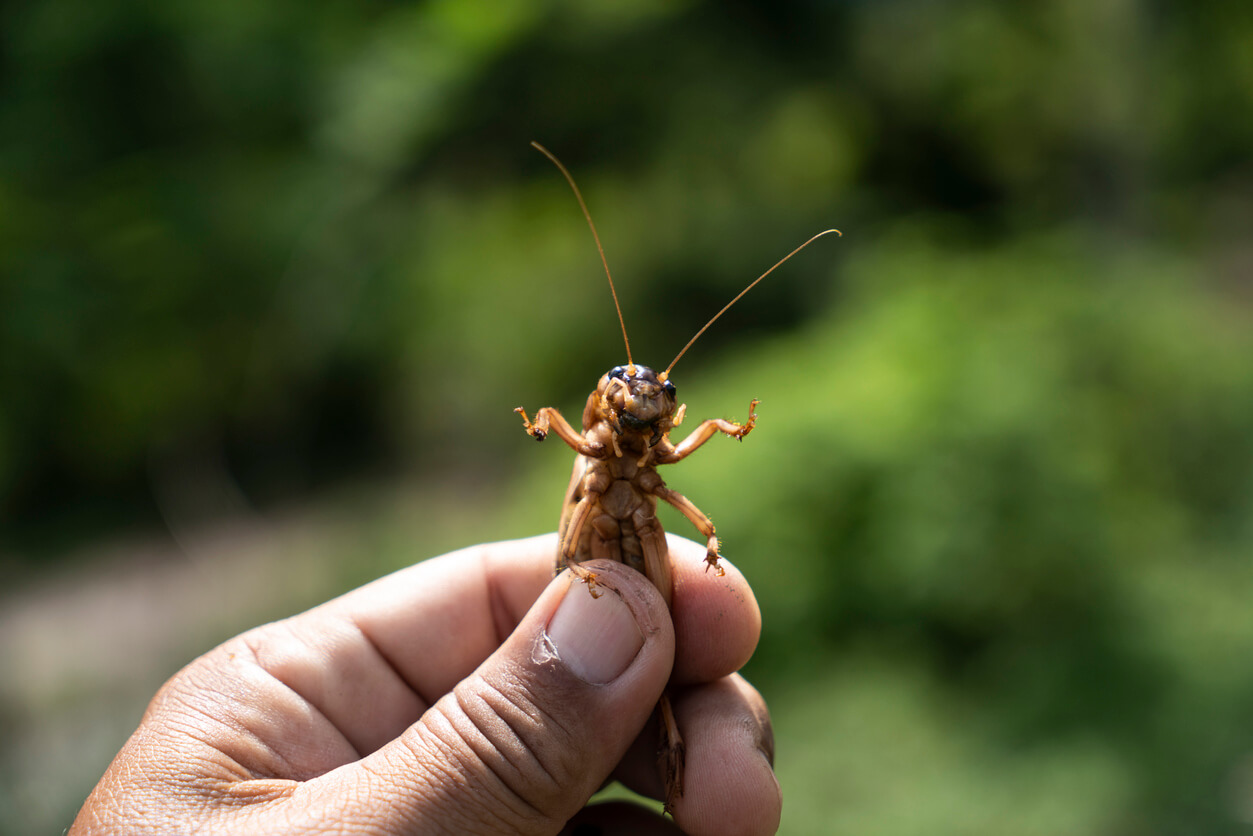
{"x":273,"y":276}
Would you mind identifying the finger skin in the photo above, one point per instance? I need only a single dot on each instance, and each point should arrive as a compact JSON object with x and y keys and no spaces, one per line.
{"x":516,"y":747}
{"x":292,"y":701}
{"x":427,"y":627}
{"x":731,"y":786}
{"x":729,"y":781}
{"x":521,"y":744}
{"x":717,"y":622}
{"x":436,"y":621}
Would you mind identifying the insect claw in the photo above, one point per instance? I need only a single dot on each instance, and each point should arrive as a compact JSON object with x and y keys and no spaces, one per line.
{"x":536,"y":431}
{"x":587,"y":576}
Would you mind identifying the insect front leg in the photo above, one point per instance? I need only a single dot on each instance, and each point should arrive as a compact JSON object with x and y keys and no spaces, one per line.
{"x":548,"y":418}
{"x":706,"y":431}
{"x":703,"y":524}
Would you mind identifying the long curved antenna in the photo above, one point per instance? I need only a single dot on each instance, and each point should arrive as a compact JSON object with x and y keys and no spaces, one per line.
{"x":666,"y":374}
{"x":599,"y":248}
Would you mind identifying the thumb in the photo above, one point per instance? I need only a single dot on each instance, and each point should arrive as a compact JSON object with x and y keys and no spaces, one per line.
{"x":522,"y":743}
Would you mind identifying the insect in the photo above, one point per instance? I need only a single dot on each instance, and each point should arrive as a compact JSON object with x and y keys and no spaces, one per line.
{"x":610,"y":508}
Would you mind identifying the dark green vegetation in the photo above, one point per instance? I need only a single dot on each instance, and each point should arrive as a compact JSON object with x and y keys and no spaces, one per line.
{"x":999,"y":506}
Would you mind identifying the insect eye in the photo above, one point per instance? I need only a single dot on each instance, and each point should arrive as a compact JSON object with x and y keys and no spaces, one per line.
{"x":618,"y":372}
{"x":670,"y":390}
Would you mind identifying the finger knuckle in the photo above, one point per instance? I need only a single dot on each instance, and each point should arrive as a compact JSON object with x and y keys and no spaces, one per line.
{"x":509,"y":752}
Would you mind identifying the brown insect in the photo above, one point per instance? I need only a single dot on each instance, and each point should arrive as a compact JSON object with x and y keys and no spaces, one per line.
{"x":610,"y":509}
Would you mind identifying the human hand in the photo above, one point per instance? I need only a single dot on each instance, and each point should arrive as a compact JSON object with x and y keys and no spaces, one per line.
{"x":470,"y":693}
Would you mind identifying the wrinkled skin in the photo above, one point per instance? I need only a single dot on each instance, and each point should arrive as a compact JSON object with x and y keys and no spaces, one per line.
{"x":449,"y":698}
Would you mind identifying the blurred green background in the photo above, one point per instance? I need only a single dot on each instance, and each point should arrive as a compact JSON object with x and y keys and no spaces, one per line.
{"x":273,"y":276}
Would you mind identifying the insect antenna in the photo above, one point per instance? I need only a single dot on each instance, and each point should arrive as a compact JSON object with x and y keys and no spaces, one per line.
{"x":666,"y":374}
{"x":599,"y":248}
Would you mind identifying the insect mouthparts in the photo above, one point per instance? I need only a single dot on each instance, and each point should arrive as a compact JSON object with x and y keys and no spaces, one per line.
{"x":634,"y":423}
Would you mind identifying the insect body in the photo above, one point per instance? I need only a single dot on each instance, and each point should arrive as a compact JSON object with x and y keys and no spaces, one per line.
{"x":611,"y":504}
{"x":610,"y":507}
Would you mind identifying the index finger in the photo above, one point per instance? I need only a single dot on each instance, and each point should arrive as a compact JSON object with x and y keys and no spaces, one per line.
{"x":436,"y":621}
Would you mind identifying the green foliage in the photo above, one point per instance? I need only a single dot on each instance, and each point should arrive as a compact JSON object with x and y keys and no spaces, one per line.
{"x":997,"y":511}
{"x":1025,"y":472}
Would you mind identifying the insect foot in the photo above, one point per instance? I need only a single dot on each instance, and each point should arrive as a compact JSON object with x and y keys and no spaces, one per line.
{"x":748,"y":425}
{"x":588,"y":577}
{"x":535,"y":431}
{"x":711,"y":556}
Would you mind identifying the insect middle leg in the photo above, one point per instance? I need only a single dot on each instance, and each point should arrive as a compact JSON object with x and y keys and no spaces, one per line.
{"x":567,"y":548}
{"x":707,"y":430}
{"x":572,"y":534}
{"x":703,"y":524}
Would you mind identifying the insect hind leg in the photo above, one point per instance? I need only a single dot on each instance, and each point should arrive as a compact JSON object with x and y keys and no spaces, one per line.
{"x":656,"y":553}
{"x":672,"y":753}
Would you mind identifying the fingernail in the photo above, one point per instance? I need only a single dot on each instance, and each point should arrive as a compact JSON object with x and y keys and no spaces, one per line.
{"x":596,"y":638}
